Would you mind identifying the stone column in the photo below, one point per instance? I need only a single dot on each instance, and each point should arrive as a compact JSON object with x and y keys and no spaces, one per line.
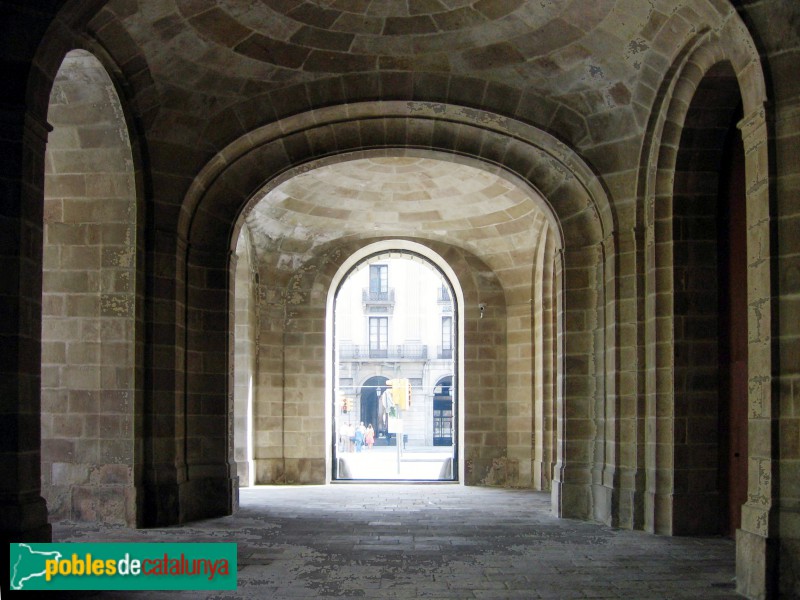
{"x":629,"y":353}
{"x":245,"y":357}
{"x":520,"y":393}
{"x":583,"y":372}
{"x":23,"y":513}
{"x":164,"y":474}
{"x":268,"y":403}
{"x":545,"y":355}
{"x":756,"y":543}
{"x":212,"y":484}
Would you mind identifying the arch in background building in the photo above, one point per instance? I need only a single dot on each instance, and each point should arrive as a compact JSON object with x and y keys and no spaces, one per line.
{"x":368,"y":396}
{"x":443,"y":412}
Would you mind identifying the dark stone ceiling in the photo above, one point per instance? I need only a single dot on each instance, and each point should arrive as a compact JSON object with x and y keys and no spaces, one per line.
{"x":205,"y":73}
{"x":585,"y":54}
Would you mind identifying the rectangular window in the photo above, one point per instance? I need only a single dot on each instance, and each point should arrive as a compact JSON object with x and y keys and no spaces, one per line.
{"x":447,"y":337}
{"x":378,"y":282}
{"x":378,"y":337}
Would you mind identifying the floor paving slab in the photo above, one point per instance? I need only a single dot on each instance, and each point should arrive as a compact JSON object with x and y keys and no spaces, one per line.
{"x":443,"y":541}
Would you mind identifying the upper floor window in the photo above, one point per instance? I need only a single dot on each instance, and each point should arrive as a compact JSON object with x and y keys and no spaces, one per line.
{"x":378,"y":279}
{"x":447,"y":338}
{"x":378,"y":298}
{"x":378,"y":337}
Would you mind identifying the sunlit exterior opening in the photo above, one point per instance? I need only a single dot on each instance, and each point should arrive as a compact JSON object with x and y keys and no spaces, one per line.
{"x":394,"y":413}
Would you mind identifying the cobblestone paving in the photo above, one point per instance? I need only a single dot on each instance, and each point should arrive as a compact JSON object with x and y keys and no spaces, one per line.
{"x":434,"y":541}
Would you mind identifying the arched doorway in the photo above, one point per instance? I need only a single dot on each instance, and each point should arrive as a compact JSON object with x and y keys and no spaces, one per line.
{"x":710,"y":311}
{"x":301,"y":270}
{"x":708,"y":215}
{"x":371,"y":409}
{"x":443,"y":412}
{"x":394,"y":339}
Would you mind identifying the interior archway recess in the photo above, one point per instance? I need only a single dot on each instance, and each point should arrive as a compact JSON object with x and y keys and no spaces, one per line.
{"x":91,"y":301}
{"x":731,"y":63}
{"x":220,"y":193}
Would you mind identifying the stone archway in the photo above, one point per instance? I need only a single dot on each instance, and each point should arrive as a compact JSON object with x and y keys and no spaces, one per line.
{"x":120,"y":474}
{"x":576,"y":201}
{"x":450,"y":273}
{"x":729,"y":57}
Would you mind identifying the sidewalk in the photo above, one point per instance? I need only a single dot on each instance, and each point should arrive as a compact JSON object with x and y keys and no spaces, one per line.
{"x":382,"y":463}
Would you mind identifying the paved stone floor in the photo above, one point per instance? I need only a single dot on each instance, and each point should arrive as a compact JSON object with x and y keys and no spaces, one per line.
{"x":434,"y":541}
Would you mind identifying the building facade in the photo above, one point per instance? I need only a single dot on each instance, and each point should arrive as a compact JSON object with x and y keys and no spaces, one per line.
{"x":394,"y":320}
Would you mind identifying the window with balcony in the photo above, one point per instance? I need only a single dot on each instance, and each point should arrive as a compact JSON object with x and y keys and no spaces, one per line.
{"x":378,"y":297}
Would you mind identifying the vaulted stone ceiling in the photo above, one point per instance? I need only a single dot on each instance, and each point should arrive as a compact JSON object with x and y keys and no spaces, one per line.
{"x":398,"y":196}
{"x":556,"y":46}
{"x":205,"y":73}
{"x":205,"y":56}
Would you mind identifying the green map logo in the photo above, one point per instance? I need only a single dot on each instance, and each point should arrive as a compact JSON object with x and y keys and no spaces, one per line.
{"x":118,"y":566}
{"x":29,"y":564}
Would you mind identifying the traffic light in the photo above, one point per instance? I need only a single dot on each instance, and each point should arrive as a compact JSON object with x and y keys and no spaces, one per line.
{"x":347,"y":405}
{"x":401,"y":393}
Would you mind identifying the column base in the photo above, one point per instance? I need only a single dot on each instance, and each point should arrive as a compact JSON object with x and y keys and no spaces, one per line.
{"x":571,"y":500}
{"x":756,"y":566}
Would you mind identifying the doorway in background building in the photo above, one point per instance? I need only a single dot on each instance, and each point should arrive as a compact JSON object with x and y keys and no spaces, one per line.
{"x":394,"y":365}
{"x":372,"y":412}
{"x":443,"y":412}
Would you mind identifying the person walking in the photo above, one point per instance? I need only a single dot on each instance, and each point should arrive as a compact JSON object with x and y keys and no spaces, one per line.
{"x":369,"y":437}
{"x":360,"y":433}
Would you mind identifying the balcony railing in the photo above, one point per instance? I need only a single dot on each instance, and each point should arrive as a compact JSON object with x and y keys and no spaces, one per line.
{"x":444,"y":301}
{"x":444,"y":352}
{"x":392,"y":352}
{"x":372,"y":297}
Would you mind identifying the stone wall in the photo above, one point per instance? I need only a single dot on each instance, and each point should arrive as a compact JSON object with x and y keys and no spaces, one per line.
{"x":89,"y":301}
{"x":245,"y":357}
{"x":621,"y":346}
